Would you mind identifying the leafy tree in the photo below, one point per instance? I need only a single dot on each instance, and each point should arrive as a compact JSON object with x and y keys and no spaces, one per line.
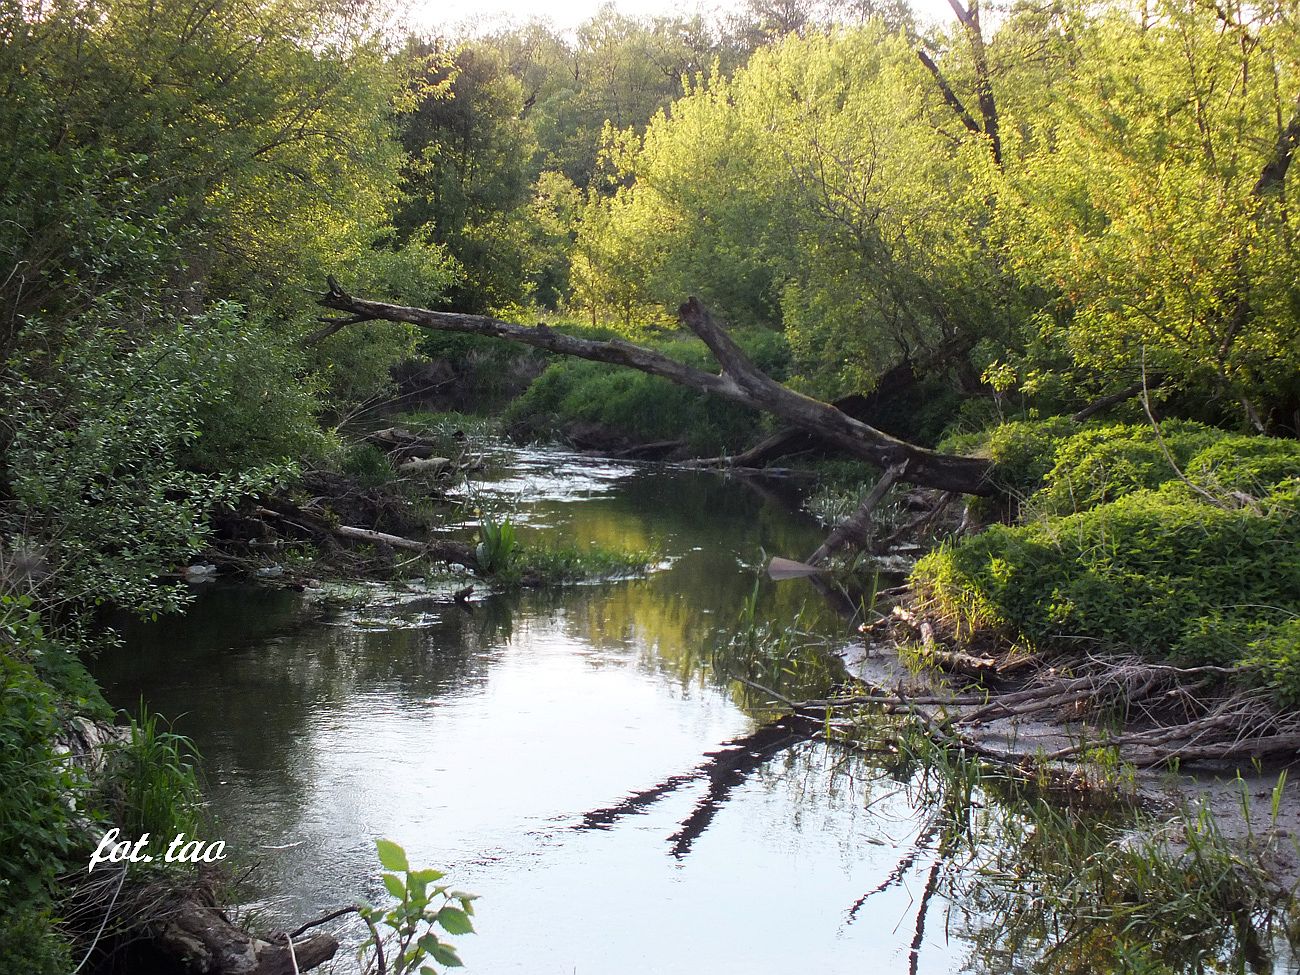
{"x":1149,"y":189}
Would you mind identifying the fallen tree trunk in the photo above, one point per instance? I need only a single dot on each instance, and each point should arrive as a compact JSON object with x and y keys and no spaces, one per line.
{"x":861,"y":406}
{"x":739,"y":381}
{"x":857,"y":527}
{"x":199,"y":937}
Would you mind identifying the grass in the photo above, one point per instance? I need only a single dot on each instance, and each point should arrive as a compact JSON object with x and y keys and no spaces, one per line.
{"x":152,"y":783}
{"x":551,"y":565}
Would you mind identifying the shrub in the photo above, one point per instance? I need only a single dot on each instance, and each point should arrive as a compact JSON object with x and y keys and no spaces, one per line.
{"x":1163,"y":571}
{"x":1105,"y":463}
{"x":646,"y":408}
{"x":35,"y":821}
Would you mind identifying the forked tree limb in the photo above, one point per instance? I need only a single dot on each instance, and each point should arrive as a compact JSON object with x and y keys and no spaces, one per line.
{"x":740,"y":381}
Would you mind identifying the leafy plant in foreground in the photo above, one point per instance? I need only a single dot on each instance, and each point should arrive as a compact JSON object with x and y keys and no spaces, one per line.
{"x":403,"y":937}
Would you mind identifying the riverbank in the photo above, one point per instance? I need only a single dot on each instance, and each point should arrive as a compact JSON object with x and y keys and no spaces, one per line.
{"x":539,"y":489}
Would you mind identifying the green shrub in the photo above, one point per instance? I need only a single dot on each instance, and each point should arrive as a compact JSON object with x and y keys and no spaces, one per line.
{"x":1161,"y":571}
{"x":30,"y":942}
{"x":645,"y":408}
{"x":1104,"y":463}
{"x":1277,"y":654}
{"x":35,"y":821}
{"x":1023,"y":451}
{"x":1253,"y":465}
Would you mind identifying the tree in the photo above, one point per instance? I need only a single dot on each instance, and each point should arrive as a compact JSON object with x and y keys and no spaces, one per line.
{"x":738,"y":381}
{"x":1150,"y":189}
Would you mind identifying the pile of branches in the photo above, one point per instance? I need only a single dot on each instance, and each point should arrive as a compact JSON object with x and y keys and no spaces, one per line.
{"x":358,"y":528}
{"x":1149,"y":714}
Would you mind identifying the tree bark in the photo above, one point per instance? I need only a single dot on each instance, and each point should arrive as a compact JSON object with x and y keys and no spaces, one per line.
{"x":739,"y":381}
{"x":895,"y":381}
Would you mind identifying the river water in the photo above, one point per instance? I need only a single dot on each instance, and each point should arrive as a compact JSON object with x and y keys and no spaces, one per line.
{"x":550,"y":750}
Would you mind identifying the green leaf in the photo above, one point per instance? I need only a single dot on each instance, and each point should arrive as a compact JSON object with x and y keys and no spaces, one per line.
{"x":395,"y":885}
{"x":392,"y":856}
{"x":446,"y":955}
{"x":455,"y":921}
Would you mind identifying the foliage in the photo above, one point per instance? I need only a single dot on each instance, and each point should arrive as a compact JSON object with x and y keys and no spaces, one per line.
{"x":97,"y":439}
{"x":1140,"y":192}
{"x":367,"y":463}
{"x":404,"y":936}
{"x":35,"y":821}
{"x":37,"y":830}
{"x":30,"y":943}
{"x":1123,"y":554}
{"x":622,"y":403}
{"x":857,"y":231}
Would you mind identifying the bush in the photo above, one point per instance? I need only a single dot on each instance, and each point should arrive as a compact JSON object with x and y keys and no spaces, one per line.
{"x":35,"y":821}
{"x":1062,"y":466}
{"x":644,"y":408}
{"x":1122,"y":555}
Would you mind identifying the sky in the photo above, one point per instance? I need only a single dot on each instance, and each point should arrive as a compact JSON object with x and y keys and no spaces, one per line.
{"x":450,"y":15}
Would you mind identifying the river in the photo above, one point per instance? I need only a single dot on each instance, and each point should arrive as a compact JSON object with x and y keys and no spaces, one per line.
{"x":501,"y":744}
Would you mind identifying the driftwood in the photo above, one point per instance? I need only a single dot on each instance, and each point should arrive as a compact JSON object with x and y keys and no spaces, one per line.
{"x":402,"y":443}
{"x":1170,"y":714}
{"x":201,"y":939}
{"x":455,"y":553}
{"x":739,"y":381}
{"x":894,"y":382}
{"x":181,"y":930}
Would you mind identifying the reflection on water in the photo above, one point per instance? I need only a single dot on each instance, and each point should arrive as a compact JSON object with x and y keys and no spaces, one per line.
{"x":480,"y":740}
{"x":566,"y":755}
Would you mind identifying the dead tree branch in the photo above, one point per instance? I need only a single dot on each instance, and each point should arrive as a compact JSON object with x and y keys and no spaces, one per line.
{"x":738,"y":381}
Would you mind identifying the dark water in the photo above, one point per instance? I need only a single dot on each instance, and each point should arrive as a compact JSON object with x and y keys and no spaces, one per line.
{"x":483,"y":741}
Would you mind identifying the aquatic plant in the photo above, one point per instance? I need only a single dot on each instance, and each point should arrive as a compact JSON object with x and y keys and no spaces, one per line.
{"x":788,"y":656}
{"x":1067,"y":875}
{"x":496,"y":546}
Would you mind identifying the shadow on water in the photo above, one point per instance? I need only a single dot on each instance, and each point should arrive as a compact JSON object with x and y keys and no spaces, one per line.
{"x":583,"y":759}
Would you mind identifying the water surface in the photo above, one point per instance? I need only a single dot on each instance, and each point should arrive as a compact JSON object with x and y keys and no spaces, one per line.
{"x":502,"y":745}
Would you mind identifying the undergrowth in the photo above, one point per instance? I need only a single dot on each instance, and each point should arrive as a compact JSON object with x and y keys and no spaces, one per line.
{"x":1182,"y":546}
{"x":641,"y":408}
